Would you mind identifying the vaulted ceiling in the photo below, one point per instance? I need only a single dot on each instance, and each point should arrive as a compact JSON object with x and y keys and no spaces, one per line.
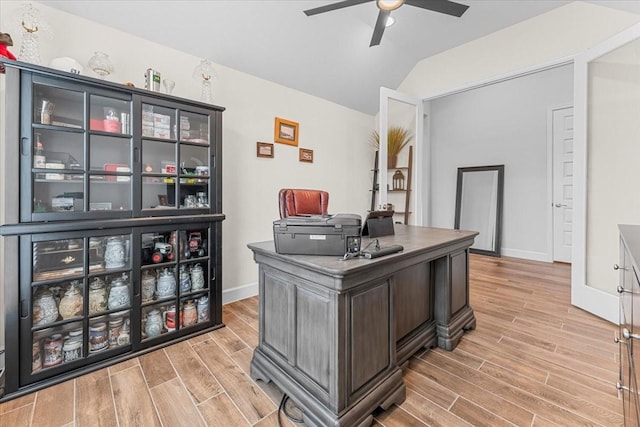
{"x":326,"y":55}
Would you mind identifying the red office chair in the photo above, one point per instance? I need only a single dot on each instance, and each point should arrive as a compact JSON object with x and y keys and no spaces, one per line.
{"x":294,"y":201}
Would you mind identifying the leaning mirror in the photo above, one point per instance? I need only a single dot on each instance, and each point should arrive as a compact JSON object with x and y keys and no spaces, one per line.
{"x":479,"y":206}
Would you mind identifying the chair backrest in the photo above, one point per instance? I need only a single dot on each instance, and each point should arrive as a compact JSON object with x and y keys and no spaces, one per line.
{"x":296,"y":201}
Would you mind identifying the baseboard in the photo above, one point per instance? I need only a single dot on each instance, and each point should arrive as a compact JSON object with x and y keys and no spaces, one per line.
{"x":240,"y":292}
{"x":597,"y":302}
{"x":518,"y":253}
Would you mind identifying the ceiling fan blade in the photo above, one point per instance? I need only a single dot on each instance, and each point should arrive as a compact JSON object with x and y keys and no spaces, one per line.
{"x":378,"y":31}
{"x":442,"y":6}
{"x":334,"y":6}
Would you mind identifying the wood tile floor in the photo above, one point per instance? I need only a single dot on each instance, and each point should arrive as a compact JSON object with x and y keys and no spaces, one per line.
{"x":533,"y":360}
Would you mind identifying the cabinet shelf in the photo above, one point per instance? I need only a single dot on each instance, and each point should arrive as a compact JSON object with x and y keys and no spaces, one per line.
{"x":109,"y":134}
{"x":60,"y":126}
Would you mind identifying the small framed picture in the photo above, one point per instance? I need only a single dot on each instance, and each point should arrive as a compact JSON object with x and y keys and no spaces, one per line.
{"x":286,"y":132}
{"x":264,"y":149}
{"x":306,"y":155}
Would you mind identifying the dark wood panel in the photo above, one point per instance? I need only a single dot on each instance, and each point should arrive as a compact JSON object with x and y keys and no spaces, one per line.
{"x":412,"y":299}
{"x":459,"y":297}
{"x":313,"y":334}
{"x":278,"y":316}
{"x":370,"y":352}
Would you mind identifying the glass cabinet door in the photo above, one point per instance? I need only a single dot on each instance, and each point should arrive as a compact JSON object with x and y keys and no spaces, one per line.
{"x":57,"y":149}
{"x":175,"y":282}
{"x":193,"y":189}
{"x":175,"y":159}
{"x":110,"y":167}
{"x":80,"y":298}
{"x":81,"y":149}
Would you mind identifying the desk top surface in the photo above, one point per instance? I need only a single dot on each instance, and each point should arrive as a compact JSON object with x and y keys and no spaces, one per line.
{"x":415,"y":240}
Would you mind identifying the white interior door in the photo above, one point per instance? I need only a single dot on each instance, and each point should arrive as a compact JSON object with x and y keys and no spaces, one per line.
{"x":562,"y":205}
{"x":388,"y":115}
{"x":596,"y":241}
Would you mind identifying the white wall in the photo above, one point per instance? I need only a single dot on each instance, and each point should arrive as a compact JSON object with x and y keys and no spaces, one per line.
{"x":337,"y":135}
{"x":500,"y":124}
{"x":559,"y":33}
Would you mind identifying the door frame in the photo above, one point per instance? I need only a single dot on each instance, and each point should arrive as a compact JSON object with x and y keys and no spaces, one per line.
{"x":550,"y":182}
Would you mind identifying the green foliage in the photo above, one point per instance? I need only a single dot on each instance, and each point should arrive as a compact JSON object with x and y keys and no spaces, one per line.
{"x":397,"y":138}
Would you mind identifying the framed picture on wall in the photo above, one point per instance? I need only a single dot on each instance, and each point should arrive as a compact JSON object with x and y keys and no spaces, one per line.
{"x":305,"y":155}
{"x":286,"y":132}
{"x":264,"y":149}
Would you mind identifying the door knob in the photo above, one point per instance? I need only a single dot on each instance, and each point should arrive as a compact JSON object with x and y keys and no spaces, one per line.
{"x":559,"y":205}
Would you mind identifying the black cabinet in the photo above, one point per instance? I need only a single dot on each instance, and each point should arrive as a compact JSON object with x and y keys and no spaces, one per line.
{"x":111,"y":231}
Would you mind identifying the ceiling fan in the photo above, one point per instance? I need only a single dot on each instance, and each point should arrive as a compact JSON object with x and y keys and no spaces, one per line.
{"x":386,"y":6}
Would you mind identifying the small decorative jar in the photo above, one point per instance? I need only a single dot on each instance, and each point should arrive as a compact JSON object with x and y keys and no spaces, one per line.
{"x":153,"y":327}
{"x":75,"y":335}
{"x":98,"y":337}
{"x":119,"y":293}
{"x":71,"y":302}
{"x":52,"y":351}
{"x":166,"y":286}
{"x":203,"y":309}
{"x":115,"y":325}
{"x":169,"y":316}
{"x":197,"y":278}
{"x":148,"y":286}
{"x":124,"y":337}
{"x":97,"y":296}
{"x":189,"y":315}
{"x":185,"y":280}
{"x":71,"y":350}
{"x":36,"y":362}
{"x":45,"y":309}
{"x":114,"y":254}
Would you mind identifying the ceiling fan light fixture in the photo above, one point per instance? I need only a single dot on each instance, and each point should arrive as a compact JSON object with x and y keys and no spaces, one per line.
{"x":390,"y":21}
{"x":389,"y":4}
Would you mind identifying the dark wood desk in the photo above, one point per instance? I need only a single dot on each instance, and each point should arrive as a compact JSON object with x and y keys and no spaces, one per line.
{"x":334,"y":334}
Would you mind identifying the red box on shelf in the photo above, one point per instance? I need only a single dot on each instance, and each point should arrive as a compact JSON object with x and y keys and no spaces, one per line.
{"x":95,"y":124}
{"x":115,"y":167}
{"x":111,"y":125}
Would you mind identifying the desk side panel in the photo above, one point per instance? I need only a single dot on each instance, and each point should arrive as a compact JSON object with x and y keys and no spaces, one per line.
{"x":278,"y":296}
{"x":370,"y":334}
{"x":412,"y":299}
{"x":314,"y":338}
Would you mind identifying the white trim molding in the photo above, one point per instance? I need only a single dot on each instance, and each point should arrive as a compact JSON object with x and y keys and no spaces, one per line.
{"x":240,"y":292}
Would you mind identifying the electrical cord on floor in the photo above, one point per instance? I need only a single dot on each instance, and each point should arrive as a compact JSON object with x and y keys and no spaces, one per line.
{"x":283,"y":408}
